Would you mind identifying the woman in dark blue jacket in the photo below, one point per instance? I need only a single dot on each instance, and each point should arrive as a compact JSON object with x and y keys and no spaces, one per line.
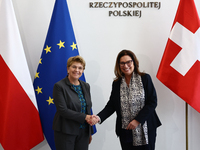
{"x":134,"y":99}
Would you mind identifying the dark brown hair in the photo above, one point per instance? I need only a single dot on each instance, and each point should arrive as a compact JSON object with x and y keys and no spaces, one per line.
{"x":118,"y":72}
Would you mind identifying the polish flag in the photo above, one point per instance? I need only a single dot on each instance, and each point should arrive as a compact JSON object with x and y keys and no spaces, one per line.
{"x":20,"y":127}
{"x":179,"y":69}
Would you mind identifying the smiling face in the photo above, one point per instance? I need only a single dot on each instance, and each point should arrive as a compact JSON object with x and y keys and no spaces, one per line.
{"x":75,"y":71}
{"x":126,"y":65}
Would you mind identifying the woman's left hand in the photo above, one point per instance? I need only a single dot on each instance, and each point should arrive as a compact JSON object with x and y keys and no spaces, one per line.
{"x":90,"y":139}
{"x":132,"y":125}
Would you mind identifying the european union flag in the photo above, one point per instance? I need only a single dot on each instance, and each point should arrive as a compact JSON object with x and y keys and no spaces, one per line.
{"x":60,"y":44}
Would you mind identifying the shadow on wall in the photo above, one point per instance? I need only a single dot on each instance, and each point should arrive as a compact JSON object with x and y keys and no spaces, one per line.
{"x":98,"y":103}
{"x":166,"y":105}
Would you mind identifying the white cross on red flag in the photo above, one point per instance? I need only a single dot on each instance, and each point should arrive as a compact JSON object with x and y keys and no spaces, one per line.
{"x":179,"y":69}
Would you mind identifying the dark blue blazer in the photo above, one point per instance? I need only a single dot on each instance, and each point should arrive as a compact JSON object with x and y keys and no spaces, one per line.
{"x":148,"y":112}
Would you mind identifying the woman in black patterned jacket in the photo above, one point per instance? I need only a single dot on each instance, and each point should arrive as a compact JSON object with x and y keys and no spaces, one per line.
{"x":134,"y":99}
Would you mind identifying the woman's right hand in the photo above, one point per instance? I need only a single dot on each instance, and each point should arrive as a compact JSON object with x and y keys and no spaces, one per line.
{"x":91,"y":119}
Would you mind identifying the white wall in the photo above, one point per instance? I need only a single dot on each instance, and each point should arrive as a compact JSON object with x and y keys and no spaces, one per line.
{"x":99,"y":39}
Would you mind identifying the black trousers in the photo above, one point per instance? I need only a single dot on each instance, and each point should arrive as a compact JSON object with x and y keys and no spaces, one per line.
{"x":126,"y":140}
{"x":72,"y":142}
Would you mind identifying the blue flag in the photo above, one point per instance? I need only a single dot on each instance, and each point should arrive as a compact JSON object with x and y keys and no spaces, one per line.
{"x":60,"y":44}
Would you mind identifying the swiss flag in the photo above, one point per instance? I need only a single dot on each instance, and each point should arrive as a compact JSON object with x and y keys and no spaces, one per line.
{"x":179,"y":69}
{"x":20,"y":127}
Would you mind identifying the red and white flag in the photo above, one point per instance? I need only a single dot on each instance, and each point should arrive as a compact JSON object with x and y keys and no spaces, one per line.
{"x":20,"y":126}
{"x":179,"y":69}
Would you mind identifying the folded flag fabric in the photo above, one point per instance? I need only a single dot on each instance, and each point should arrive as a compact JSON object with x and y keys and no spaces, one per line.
{"x":179,"y":69}
{"x":20,"y":127}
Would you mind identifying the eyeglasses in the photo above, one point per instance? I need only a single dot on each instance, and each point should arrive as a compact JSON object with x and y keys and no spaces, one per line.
{"x":122,"y":64}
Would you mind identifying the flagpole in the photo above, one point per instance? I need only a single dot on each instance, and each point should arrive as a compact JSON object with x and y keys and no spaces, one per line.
{"x":186,"y":121}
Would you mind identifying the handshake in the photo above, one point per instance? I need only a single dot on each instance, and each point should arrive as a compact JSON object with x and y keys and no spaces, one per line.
{"x":92,"y":119}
